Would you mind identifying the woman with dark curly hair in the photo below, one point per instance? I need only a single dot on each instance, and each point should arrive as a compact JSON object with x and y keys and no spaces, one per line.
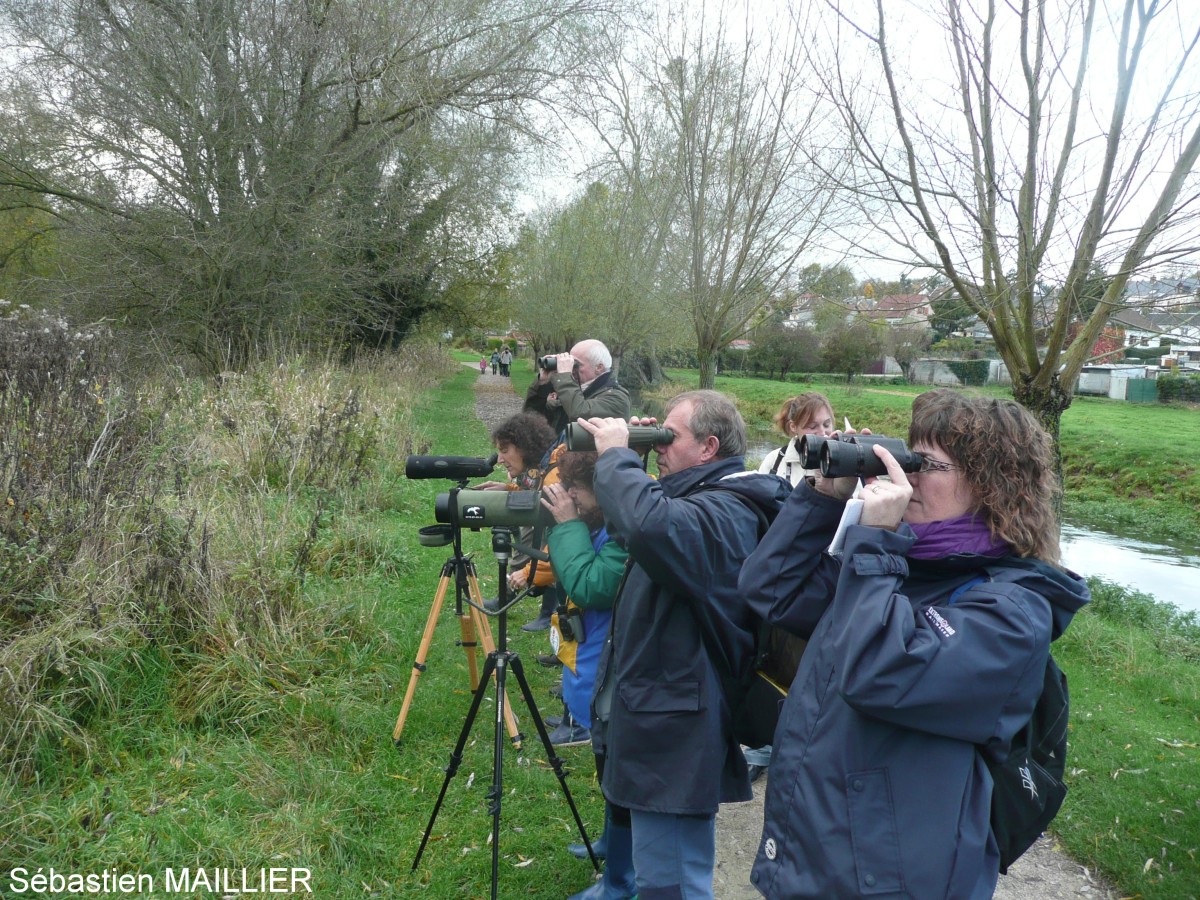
{"x":928,"y":640}
{"x":521,"y":441}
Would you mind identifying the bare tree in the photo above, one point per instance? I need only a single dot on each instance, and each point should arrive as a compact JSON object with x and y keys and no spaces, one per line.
{"x":713,"y":117}
{"x":1057,"y":138}
{"x":233,"y":166}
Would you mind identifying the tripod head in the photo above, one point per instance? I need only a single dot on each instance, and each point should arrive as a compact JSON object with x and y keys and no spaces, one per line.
{"x":502,"y":543}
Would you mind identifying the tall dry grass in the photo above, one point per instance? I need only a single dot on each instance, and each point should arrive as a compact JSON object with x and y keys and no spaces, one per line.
{"x":173,"y":515}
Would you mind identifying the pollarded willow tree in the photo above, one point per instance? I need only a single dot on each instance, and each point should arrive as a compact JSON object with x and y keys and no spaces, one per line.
{"x":1010,"y":145}
{"x":224,"y":169}
{"x":711,"y":116}
{"x":590,"y":269}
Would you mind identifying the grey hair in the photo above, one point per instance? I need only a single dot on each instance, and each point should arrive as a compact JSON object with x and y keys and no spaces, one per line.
{"x":714,"y":415}
{"x":596,"y":353}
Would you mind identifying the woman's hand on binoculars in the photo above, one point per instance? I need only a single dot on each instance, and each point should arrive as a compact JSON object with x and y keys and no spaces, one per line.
{"x":556,"y":499}
{"x":607,"y":433}
{"x":884,"y":502}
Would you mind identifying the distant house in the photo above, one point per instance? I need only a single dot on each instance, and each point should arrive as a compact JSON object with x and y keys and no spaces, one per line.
{"x":1149,"y":328}
{"x":1182,"y":357}
{"x":902,"y":309}
{"x":803,"y":314}
{"x":1163,"y":292}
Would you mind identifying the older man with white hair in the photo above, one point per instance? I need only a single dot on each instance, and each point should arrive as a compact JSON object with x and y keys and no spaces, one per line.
{"x":581,"y":387}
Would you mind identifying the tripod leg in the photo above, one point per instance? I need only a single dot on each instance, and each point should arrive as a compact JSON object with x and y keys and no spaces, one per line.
{"x":484,"y":630}
{"x":496,"y":794}
{"x":466,"y":623}
{"x":457,"y":753}
{"x":422,"y":652}
{"x":552,"y":757}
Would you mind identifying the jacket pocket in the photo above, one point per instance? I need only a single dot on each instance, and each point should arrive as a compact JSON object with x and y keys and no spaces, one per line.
{"x":873,"y":833}
{"x":660,"y":696}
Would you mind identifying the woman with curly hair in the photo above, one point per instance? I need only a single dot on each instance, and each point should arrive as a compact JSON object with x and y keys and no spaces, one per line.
{"x":521,"y":442}
{"x":928,"y":641}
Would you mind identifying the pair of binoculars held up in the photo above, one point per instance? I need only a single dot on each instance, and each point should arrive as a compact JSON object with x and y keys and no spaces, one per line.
{"x":853,"y":455}
{"x":641,"y":437}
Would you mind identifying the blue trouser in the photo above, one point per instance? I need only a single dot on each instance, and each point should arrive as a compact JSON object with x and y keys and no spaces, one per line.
{"x":673,"y":855}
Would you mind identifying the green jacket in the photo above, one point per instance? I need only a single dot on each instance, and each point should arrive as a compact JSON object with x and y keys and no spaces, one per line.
{"x":589,"y":578}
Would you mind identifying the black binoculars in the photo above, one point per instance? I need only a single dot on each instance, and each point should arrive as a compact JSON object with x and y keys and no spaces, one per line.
{"x":852,"y":455}
{"x":549,"y":363}
{"x":641,"y":437}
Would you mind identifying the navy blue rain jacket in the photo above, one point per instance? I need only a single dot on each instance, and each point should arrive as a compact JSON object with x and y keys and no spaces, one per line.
{"x":659,"y":710}
{"x":878,"y":788}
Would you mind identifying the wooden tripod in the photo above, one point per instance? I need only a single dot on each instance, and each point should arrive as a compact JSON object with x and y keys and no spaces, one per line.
{"x":472,"y":623}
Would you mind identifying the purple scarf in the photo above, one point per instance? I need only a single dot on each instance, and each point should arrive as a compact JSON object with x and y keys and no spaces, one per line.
{"x":964,"y":534}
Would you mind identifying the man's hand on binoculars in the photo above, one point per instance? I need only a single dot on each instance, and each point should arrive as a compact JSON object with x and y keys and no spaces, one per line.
{"x":607,"y":433}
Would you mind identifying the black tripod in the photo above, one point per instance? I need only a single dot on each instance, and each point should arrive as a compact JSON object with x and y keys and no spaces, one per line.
{"x":500,"y":661}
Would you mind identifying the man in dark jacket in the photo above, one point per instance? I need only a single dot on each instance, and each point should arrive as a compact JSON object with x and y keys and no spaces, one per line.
{"x":581,"y":387}
{"x":679,"y":625}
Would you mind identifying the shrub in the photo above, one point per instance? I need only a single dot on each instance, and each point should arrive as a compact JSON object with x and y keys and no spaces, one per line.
{"x":1179,"y":387}
{"x":971,"y":372}
{"x":173,"y":514}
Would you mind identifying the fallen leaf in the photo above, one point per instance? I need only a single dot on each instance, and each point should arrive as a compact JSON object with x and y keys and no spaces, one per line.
{"x":1177,"y":744}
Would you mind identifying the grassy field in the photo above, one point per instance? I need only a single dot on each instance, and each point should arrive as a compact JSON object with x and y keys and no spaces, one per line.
{"x":248,"y":746}
{"x":1130,"y":468}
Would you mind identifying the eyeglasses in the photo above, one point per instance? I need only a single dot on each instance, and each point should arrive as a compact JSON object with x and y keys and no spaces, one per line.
{"x":935,"y":465}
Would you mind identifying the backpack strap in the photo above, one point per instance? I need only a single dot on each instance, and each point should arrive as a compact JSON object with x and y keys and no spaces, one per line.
{"x":779,"y":459}
{"x":966,"y":586}
{"x":732,"y":686}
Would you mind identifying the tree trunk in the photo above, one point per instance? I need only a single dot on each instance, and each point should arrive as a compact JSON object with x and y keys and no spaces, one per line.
{"x":1047,"y":403}
{"x":708,"y":368}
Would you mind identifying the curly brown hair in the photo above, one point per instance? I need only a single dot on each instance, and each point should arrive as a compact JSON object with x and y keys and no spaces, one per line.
{"x":1007,"y":459}
{"x":528,"y":433}
{"x":577,"y":468}
{"x":800,"y":409}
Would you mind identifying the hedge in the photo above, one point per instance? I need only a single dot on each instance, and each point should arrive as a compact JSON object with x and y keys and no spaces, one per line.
{"x":973,"y":372}
{"x":1179,"y":387}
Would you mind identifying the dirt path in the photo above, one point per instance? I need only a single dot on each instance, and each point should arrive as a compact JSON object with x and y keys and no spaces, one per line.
{"x":1043,"y":873}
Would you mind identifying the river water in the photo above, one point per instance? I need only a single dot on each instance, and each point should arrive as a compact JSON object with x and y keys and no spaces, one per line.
{"x":1169,"y":574}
